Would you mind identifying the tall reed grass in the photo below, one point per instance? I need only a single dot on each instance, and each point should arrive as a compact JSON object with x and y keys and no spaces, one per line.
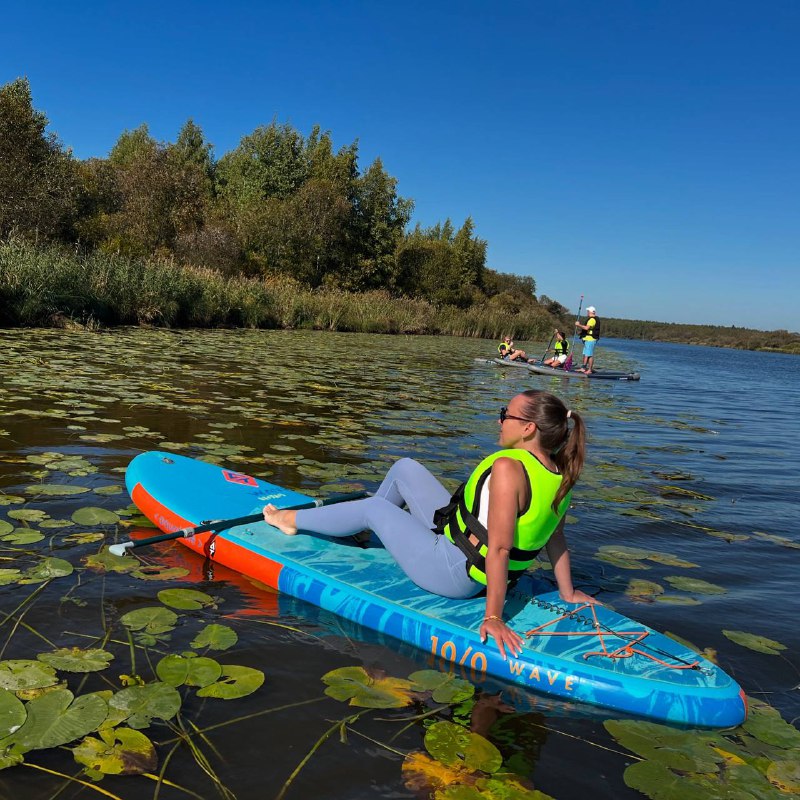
{"x":52,"y":286}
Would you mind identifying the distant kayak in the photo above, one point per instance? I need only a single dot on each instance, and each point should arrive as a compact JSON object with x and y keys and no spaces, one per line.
{"x":541,"y":369}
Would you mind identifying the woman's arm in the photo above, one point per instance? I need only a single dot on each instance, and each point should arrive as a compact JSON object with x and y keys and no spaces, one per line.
{"x":558,"y":553}
{"x":504,"y":490}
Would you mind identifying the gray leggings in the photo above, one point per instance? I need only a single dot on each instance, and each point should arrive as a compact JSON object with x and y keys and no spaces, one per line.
{"x":433,"y":562}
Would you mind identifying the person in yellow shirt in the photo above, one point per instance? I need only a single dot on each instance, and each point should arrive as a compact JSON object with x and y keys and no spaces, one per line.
{"x":590,"y":337}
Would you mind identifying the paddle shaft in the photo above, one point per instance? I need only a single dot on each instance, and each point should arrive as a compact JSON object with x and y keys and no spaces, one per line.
{"x":224,"y":524}
{"x":549,"y":345}
{"x":568,"y":362}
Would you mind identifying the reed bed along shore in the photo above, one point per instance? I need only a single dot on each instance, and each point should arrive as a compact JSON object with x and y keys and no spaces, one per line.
{"x":42,"y":287}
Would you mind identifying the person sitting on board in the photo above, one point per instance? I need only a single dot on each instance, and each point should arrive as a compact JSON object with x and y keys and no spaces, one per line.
{"x":508,"y":352}
{"x":590,"y":337}
{"x":484,"y":536}
{"x":561,"y":348}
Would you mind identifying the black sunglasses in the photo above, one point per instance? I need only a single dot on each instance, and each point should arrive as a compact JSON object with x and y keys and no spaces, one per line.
{"x":504,"y":415}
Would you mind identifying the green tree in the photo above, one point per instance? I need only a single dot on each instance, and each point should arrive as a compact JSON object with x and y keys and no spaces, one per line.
{"x":38,"y":183}
{"x":379,"y":222}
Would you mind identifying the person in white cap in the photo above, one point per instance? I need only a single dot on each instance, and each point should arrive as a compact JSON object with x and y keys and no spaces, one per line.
{"x":590,"y":337}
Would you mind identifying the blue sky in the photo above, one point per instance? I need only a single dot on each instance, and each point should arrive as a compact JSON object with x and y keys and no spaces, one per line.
{"x":645,"y":154}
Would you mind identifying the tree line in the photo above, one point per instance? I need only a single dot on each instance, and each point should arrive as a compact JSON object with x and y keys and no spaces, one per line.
{"x":280,"y":203}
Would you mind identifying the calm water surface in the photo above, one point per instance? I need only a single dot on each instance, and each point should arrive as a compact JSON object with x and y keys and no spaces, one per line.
{"x":698,"y":460}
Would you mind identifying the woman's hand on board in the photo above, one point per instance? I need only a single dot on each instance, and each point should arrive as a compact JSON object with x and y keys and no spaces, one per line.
{"x":578,"y":596}
{"x":503,"y":635}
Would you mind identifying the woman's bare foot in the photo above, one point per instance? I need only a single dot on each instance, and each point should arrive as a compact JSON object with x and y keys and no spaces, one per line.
{"x":282,"y":519}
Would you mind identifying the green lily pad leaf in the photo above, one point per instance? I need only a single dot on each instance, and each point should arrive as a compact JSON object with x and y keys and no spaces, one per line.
{"x":11,"y":757}
{"x":445,"y":687}
{"x":74,"y":659}
{"x":766,"y":724}
{"x":12,"y":713}
{"x":56,"y":523}
{"x":143,"y":704}
{"x":104,"y":561}
{"x":694,"y":585}
{"x":28,"y":514}
{"x":46,"y":570}
{"x":177,"y":671}
{"x":159,"y":572}
{"x":84,"y":538}
{"x":760,"y":644}
{"x":638,"y":588}
{"x":10,"y":499}
{"x":138,"y":521}
{"x":624,"y":552}
{"x":658,"y":782}
{"x":362,"y":690}
{"x":234,"y":682}
{"x":785,"y":774}
{"x":109,"y":490}
{"x":215,"y":637}
{"x":185,"y":599}
{"x":22,"y":536}
{"x":670,"y":561}
{"x":56,"y":489}
{"x":676,"y":600}
{"x":622,"y":563}
{"x":91,"y":516}
{"x":5,"y":527}
{"x":24,"y":673}
{"x":153,"y":620}
{"x":453,"y":745}
{"x":676,"y":749}
{"x":118,"y":751}
{"x":784,"y":541}
{"x":708,"y":653}
{"x":57,"y":718}
{"x":8,"y":576}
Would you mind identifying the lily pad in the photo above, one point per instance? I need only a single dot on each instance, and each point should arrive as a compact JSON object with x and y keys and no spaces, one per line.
{"x":638,"y":588}
{"x":118,"y":751}
{"x":234,"y":682}
{"x":28,"y":515}
{"x":694,"y":585}
{"x":362,"y":690}
{"x":109,"y":490}
{"x":445,"y":688}
{"x":22,"y":536}
{"x":143,"y":704}
{"x":760,"y":644}
{"x":159,"y":572}
{"x":46,"y":570}
{"x":153,"y":620}
{"x":177,"y":671}
{"x":74,"y":659}
{"x":5,"y":527}
{"x":91,"y":516}
{"x":56,"y":489}
{"x":57,"y":718}
{"x":12,"y":713}
{"x":453,"y":745}
{"x":185,"y":599}
{"x":105,"y":561}
{"x":215,"y":637}
{"x":766,"y":724}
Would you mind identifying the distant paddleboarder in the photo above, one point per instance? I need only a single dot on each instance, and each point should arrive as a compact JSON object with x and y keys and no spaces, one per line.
{"x":590,"y":337}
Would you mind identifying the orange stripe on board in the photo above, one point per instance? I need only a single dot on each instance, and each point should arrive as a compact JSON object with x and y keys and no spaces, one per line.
{"x":228,"y":553}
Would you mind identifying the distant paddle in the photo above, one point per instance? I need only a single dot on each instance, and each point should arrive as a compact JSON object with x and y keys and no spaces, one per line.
{"x":224,"y":524}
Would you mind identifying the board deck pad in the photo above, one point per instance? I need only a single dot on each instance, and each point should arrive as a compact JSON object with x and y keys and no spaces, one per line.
{"x":367,"y":587}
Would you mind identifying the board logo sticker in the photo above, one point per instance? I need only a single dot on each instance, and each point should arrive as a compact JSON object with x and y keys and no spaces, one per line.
{"x":239,"y":478}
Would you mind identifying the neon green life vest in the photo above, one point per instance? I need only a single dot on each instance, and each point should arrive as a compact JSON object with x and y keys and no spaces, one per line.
{"x":504,"y":349}
{"x":562,"y":347}
{"x":534,"y":527}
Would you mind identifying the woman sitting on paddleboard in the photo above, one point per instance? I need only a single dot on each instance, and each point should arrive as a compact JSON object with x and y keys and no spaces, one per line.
{"x":489,"y":532}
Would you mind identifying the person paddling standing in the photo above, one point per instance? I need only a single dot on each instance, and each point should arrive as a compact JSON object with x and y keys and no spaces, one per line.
{"x":590,"y":337}
{"x":490,"y":530}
